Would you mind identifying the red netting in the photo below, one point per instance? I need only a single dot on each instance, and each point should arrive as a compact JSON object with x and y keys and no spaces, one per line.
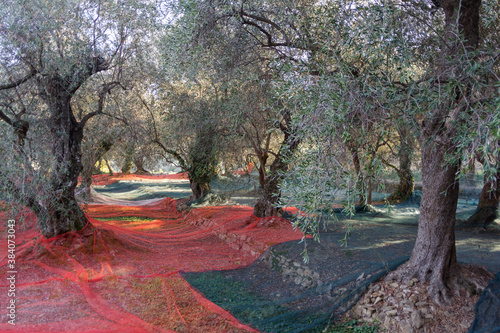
{"x":123,"y":275}
{"x":244,"y":171}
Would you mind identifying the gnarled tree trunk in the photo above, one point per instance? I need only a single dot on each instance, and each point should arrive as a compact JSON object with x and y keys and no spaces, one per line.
{"x":269,"y":187}
{"x":203,"y":163}
{"x":89,"y":167}
{"x":59,"y":211}
{"x":139,"y":164}
{"x":489,"y":199}
{"x":360,"y":181}
{"x":406,"y":183}
{"x":433,"y":259}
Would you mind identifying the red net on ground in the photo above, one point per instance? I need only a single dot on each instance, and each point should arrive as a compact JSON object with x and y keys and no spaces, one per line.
{"x":122,"y":273}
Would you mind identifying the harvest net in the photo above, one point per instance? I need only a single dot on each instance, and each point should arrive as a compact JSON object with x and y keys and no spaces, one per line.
{"x":123,"y":272}
{"x":142,"y":266}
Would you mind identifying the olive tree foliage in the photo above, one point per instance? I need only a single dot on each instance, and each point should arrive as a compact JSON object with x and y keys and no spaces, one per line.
{"x":51,"y":53}
{"x":434,"y":67}
{"x":219,"y":45}
{"x":184,"y":124}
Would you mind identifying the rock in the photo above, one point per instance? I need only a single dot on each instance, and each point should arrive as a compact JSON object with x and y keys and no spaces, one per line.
{"x":405,"y":327}
{"x":370,"y":311}
{"x":416,"y":320}
{"x":358,"y":310}
{"x":421,"y":304}
{"x":306,"y":283}
{"x":387,"y":322}
{"x":381,"y":317}
{"x":391,"y":313}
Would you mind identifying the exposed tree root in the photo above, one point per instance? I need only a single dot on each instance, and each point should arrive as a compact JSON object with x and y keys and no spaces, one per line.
{"x":443,"y":289}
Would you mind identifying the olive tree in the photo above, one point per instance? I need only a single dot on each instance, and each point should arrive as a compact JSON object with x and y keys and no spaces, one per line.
{"x":56,"y":49}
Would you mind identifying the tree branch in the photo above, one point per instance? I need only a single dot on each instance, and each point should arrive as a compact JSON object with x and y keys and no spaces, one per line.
{"x":107,"y":87}
{"x":18,"y":82}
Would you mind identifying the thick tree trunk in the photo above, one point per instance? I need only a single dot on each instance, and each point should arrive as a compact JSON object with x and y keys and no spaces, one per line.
{"x":487,"y":208}
{"x":360,"y":181}
{"x":139,"y":164}
{"x":267,"y":204}
{"x":128,"y":163}
{"x":108,"y":166}
{"x":203,"y":163}
{"x":406,"y":182}
{"x":58,"y":212}
{"x":433,"y":259}
{"x":269,"y":197}
{"x":199,"y":189}
{"x":89,"y":167}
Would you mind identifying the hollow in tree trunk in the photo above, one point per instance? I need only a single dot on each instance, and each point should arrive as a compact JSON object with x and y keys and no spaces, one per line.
{"x":199,"y":189}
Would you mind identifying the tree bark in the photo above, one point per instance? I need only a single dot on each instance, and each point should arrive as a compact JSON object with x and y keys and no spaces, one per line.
{"x":139,"y":164}
{"x":199,"y":189}
{"x":203,"y":163}
{"x":406,"y":182}
{"x":434,"y":259}
{"x":360,"y":181}
{"x":89,"y":167}
{"x":128,"y":162}
{"x":109,"y":167}
{"x":489,"y":199}
{"x":267,"y":204}
{"x":59,"y":211}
